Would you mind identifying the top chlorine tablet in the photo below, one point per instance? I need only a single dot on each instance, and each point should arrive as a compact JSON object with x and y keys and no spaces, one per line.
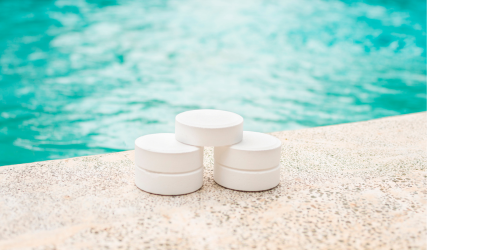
{"x":208,"y":127}
{"x":162,"y":153}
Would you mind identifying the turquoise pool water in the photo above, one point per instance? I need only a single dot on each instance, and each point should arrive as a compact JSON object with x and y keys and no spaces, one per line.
{"x":88,"y":77}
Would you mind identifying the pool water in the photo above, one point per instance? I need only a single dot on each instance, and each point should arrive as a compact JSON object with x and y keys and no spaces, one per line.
{"x":88,"y":77}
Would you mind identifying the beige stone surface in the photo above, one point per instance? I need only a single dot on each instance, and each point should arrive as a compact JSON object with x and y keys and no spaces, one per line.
{"x":352,"y":186}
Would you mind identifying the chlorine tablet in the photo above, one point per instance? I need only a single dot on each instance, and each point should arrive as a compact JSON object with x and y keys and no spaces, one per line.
{"x":168,"y":184}
{"x":256,"y":151}
{"x":208,"y":127}
{"x":245,"y":180}
{"x":162,"y":153}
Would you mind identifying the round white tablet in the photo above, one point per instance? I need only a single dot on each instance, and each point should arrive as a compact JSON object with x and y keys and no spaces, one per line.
{"x":257,"y":151}
{"x":246,"y":180}
{"x":208,"y":127}
{"x":168,"y":184}
{"x":162,"y":153}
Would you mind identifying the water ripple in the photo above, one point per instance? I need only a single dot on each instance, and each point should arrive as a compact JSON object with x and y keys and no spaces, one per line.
{"x":88,"y":77}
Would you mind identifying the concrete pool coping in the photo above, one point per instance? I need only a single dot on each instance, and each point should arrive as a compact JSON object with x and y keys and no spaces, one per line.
{"x":348,"y":186}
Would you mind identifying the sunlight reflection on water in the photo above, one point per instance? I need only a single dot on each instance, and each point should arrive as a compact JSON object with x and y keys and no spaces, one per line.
{"x":81,"y":78}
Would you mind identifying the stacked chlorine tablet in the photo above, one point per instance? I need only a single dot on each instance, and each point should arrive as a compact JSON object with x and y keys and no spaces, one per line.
{"x":208,"y":127}
{"x":165,"y":166}
{"x":169,"y":164}
{"x":251,"y":165}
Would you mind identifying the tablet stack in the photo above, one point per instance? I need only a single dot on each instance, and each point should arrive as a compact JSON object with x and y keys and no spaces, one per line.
{"x":251,"y":165}
{"x":166,"y":166}
{"x":169,"y":164}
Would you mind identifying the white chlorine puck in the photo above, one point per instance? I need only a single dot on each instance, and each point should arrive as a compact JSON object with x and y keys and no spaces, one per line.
{"x":257,"y":151}
{"x":162,"y":153}
{"x":168,"y":184}
{"x":208,"y":127}
{"x":246,"y":180}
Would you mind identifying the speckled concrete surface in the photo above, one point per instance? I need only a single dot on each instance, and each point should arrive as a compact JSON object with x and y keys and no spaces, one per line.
{"x":352,"y":186}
